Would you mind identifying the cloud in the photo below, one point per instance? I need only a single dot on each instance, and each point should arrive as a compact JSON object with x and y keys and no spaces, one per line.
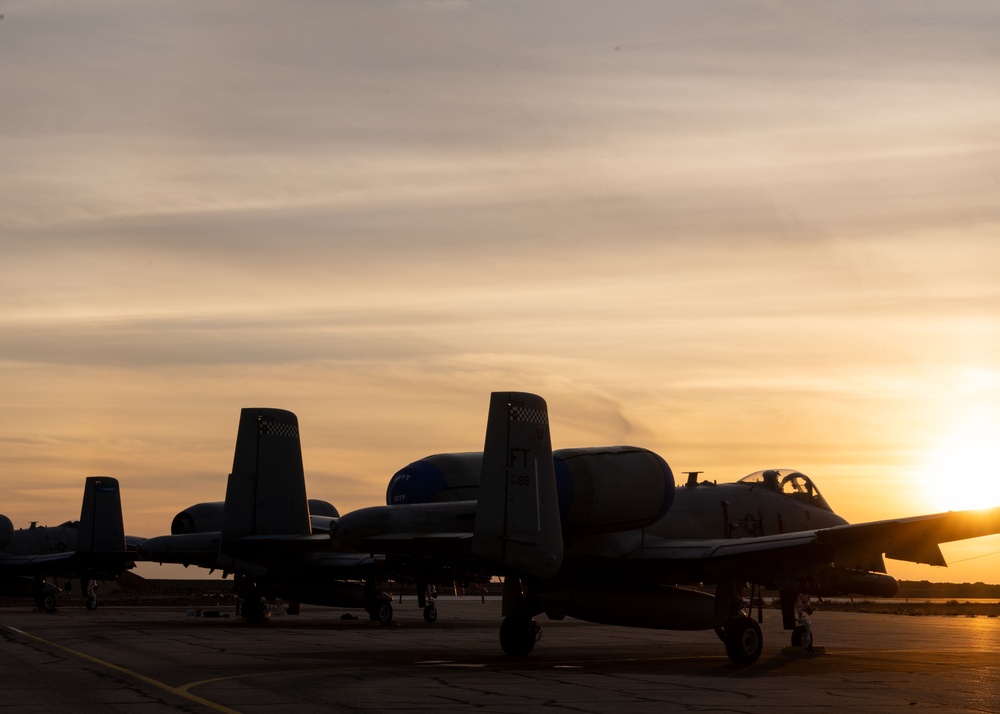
{"x":740,"y":233}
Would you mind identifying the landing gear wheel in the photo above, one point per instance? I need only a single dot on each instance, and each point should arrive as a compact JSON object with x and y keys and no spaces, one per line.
{"x":48,"y":602}
{"x":744,"y":640}
{"x":802,"y":637}
{"x":430,"y":613}
{"x":518,"y":635}
{"x":381,"y":613}
{"x":91,"y":602}
{"x":254,"y":610}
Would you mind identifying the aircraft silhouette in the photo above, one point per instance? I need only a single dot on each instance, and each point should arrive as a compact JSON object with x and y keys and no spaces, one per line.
{"x":268,"y":534}
{"x":600,"y":534}
{"x":603,"y":535}
{"x":93,"y":548}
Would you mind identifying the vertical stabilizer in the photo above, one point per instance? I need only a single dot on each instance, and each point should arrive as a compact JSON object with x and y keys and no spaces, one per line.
{"x":101,"y":526}
{"x":517,"y":516}
{"x":266,"y":492}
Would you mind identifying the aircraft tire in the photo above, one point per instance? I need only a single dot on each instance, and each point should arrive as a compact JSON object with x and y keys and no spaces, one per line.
{"x":381,"y":613}
{"x":91,"y":602}
{"x":430,"y":614}
{"x":744,"y":640}
{"x":48,"y":602}
{"x":801,"y":636}
{"x":518,"y":635}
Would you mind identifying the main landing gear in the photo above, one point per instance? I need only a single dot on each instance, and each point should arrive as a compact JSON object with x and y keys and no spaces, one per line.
{"x":377,"y":604}
{"x":250,"y":604}
{"x":518,"y":632}
{"x":46,"y":602}
{"x":741,"y":633}
{"x":743,"y":639}
{"x":44,"y":594}
{"x":381,"y":612}
{"x":518,"y":635}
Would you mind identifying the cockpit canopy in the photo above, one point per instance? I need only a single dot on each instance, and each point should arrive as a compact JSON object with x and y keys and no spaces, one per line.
{"x":788,"y":482}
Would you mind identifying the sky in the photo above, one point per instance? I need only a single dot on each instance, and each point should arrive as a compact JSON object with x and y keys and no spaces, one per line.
{"x":742,"y":234}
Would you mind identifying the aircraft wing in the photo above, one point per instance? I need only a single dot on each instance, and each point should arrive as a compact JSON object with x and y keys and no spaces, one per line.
{"x":36,"y":564}
{"x":278,"y":554}
{"x":430,"y":545}
{"x":348,"y":562}
{"x":915,"y":539}
{"x":285,"y":543}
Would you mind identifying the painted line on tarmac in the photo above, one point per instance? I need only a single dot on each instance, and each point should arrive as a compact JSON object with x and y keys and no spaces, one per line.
{"x":250,"y":675}
{"x":180,"y":692}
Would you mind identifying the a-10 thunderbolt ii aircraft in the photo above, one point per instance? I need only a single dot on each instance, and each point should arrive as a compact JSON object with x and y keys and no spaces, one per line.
{"x":268,"y":534}
{"x":603,"y":535}
{"x":93,"y":548}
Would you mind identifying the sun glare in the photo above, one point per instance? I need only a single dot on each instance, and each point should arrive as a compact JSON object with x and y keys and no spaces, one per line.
{"x":962,"y":470}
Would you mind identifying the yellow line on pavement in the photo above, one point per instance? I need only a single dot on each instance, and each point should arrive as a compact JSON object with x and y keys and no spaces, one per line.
{"x":249,"y":675}
{"x":178,"y":691}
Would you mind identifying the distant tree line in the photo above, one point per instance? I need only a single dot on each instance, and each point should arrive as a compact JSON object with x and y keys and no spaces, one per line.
{"x":925,"y":589}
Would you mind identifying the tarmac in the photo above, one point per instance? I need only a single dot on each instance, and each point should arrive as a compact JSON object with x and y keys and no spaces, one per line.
{"x":154,"y":659}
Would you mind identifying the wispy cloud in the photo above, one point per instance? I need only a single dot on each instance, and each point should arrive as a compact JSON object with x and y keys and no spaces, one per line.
{"x":734,"y":232}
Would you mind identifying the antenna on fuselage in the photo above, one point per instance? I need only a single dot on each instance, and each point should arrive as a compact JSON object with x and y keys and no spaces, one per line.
{"x":692,"y":478}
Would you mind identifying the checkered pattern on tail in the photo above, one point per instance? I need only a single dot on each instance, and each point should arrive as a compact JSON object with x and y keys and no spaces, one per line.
{"x":528,"y":414}
{"x":277,"y":428}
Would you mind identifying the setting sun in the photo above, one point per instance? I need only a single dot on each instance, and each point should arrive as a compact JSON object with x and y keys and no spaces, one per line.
{"x":961,"y":471}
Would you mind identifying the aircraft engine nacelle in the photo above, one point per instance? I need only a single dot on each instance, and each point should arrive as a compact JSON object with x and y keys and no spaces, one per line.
{"x":322,"y":509}
{"x":438,"y":478}
{"x":613,"y":488}
{"x":600,"y":489}
{"x":322,"y":515}
{"x":199,"y":518}
{"x":207,"y":517}
{"x":6,"y":532}
{"x":655,"y":607}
